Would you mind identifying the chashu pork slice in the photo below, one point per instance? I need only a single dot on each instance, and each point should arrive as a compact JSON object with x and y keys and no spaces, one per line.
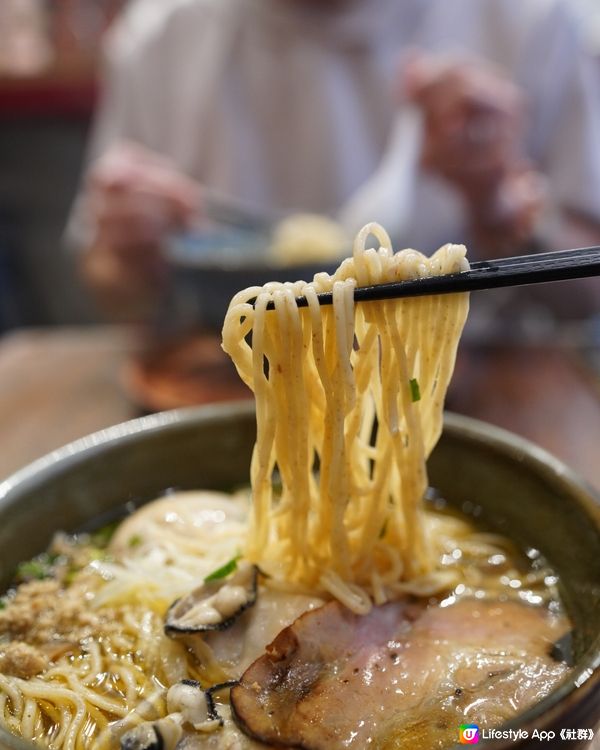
{"x":405,"y":675}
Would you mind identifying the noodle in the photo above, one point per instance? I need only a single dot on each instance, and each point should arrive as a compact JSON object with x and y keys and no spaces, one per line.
{"x":357,"y":392}
{"x":349,"y":406}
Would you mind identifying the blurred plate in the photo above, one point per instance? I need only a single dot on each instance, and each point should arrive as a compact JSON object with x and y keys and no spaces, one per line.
{"x":182,"y":372}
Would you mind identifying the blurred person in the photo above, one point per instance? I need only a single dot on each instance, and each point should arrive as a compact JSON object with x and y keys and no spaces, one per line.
{"x":290,"y":105}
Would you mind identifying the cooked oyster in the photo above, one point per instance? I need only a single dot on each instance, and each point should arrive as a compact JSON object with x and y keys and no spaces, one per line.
{"x":215,"y":605}
{"x":187,"y":704}
{"x":158,"y":735}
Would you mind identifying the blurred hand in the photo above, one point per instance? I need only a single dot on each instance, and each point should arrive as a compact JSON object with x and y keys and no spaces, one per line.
{"x":135,"y":198}
{"x":473,"y":118}
{"x":508,"y":223}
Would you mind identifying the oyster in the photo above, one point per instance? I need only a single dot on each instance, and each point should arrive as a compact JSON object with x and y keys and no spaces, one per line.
{"x":215,"y":605}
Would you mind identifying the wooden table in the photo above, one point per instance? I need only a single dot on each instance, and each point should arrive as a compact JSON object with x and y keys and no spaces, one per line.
{"x":59,"y":384}
{"x":548,"y":395}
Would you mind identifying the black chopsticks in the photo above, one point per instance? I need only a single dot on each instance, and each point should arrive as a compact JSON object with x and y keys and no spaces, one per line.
{"x":488,"y":274}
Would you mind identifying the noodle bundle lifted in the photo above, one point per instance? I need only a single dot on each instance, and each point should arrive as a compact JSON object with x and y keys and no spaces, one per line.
{"x":349,"y":404}
{"x":209,"y":621}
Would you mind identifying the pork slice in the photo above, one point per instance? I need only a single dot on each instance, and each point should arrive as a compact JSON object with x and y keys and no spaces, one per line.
{"x":403,"y":674}
{"x":241,"y":644}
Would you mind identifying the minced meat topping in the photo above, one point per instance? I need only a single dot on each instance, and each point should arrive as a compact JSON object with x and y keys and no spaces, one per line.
{"x":42,"y":620}
{"x":22,"y":660}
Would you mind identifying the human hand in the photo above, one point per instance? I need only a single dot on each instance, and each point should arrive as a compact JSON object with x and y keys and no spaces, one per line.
{"x":509,"y":223}
{"x":473,"y":119}
{"x":134,"y":197}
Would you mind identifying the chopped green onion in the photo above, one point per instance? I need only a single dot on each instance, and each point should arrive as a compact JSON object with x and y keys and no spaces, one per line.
{"x":415,"y":391}
{"x":223,"y":571}
{"x":2,"y":603}
{"x":33,"y":569}
{"x":102,"y":537}
{"x":40,"y":567}
{"x":135,"y":540}
{"x":70,"y":576}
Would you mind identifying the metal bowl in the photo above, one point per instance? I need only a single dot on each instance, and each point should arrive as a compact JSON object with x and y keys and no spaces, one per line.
{"x":521,"y":490}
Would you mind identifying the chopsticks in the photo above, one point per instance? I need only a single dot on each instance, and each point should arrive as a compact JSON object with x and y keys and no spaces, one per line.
{"x":237,"y":215}
{"x":538,"y":268}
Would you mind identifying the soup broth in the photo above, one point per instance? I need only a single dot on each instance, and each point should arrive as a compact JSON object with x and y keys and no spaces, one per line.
{"x":87,"y":658}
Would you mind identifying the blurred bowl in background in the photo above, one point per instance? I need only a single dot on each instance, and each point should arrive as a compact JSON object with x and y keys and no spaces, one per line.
{"x":181,"y":362}
{"x":210,"y":264}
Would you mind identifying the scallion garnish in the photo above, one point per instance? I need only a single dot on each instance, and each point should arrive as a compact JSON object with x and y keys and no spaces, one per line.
{"x":33,"y":570}
{"x":103,"y":535}
{"x":415,"y":391}
{"x":223,"y":571}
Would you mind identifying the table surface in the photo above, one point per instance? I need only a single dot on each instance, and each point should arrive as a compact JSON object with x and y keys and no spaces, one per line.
{"x":57,"y":385}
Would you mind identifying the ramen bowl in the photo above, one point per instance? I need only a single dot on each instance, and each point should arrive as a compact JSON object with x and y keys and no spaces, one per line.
{"x":513,"y":486}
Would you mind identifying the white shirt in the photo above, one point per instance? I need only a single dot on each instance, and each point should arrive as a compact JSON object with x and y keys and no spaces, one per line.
{"x":284,"y":106}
